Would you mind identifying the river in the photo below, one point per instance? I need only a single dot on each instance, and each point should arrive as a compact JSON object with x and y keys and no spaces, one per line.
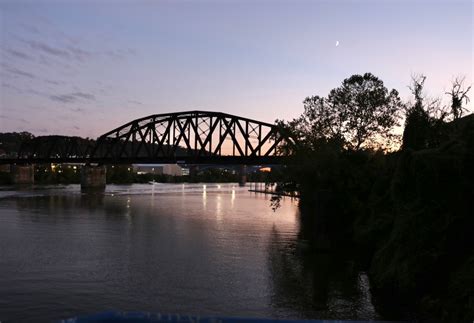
{"x":200,"y":249}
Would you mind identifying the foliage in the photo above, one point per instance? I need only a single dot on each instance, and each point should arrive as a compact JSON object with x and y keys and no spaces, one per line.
{"x":10,"y":141}
{"x":5,"y":178}
{"x":61,"y":174}
{"x":458,"y":94}
{"x":429,"y":239}
{"x":334,"y":136}
{"x":426,"y":119}
{"x":409,"y":212}
{"x":120,"y":174}
{"x":359,"y":113}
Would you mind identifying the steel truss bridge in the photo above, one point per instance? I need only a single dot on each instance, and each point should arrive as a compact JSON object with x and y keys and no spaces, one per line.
{"x":192,"y":137}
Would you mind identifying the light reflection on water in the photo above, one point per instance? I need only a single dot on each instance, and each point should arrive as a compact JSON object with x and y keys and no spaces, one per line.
{"x":204,"y":249}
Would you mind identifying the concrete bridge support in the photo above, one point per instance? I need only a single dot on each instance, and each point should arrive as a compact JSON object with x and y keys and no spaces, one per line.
{"x":93,"y":177}
{"x":23,"y":174}
{"x":243,"y":175}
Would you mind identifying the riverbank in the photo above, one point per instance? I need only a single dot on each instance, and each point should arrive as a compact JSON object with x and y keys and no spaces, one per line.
{"x":48,"y":174}
{"x":409,"y":215}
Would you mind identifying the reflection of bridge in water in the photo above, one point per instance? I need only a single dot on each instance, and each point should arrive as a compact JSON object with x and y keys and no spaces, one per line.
{"x":193,"y":137}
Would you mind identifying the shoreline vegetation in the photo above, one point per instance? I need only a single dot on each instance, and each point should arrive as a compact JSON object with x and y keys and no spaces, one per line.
{"x":402,"y":203}
{"x":45,"y":174}
{"x":408,"y":211}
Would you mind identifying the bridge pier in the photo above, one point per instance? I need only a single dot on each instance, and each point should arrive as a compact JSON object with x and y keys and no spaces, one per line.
{"x":93,"y":177}
{"x":22,"y":174}
{"x":242,"y":175}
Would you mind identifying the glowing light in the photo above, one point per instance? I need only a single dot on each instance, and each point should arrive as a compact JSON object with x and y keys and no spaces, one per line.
{"x":219,"y":208}
{"x":232,"y":199}
{"x":204,"y":199}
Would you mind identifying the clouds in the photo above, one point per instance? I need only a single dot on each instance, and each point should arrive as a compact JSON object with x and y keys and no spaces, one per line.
{"x":65,"y":98}
{"x":59,"y":70}
{"x":30,"y":28}
{"x":79,"y":53}
{"x":17,"y":71}
{"x":40,"y":57}
{"x":72,"y":97}
{"x":66,"y":52}
{"x":52,"y":82}
{"x":18,"y":54}
{"x":12,"y":87}
{"x":84,"y":95}
{"x":10,"y":118}
{"x":69,"y":52}
{"x":47,"y":49}
{"x":78,"y":110}
{"x":119,"y":53}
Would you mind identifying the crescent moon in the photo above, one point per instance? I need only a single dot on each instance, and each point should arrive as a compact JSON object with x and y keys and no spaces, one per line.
{"x":337,"y":43}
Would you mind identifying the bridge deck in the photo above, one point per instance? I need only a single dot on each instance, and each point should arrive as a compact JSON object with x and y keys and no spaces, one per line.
{"x":208,"y":160}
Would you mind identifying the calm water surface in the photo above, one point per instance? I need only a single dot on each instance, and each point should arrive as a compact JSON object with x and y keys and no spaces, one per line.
{"x":170,"y":248}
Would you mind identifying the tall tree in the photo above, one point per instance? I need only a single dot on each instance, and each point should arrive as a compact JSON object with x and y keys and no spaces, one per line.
{"x":458,"y":94}
{"x":417,"y":122}
{"x":362,"y":112}
{"x":425,"y":123}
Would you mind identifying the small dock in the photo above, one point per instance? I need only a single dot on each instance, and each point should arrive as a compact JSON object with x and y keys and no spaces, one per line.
{"x":275,"y":193}
{"x":270,"y":189}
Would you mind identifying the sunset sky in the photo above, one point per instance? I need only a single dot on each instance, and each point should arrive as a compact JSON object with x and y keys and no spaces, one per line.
{"x":85,"y":67}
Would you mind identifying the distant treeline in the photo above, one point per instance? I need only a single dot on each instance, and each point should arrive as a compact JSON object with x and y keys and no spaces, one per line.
{"x":405,"y":201}
{"x":10,"y":142}
{"x":14,"y":143}
{"x":125,"y":174}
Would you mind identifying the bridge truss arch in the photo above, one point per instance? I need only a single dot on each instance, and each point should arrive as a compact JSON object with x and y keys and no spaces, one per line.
{"x":192,"y":137}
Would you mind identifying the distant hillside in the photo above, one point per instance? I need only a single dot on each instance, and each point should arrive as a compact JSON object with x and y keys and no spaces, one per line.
{"x":10,"y":142}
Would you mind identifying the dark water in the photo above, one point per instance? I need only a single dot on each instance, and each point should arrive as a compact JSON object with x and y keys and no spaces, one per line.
{"x":169,"y":248}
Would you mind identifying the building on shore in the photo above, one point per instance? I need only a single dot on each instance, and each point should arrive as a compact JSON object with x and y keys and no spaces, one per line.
{"x":161,"y":169}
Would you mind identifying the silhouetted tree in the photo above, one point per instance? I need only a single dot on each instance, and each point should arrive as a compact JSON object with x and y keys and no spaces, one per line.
{"x":334,"y":138}
{"x":409,"y":213}
{"x":425,"y":118}
{"x":360,"y":113}
{"x":10,"y":142}
{"x":458,"y":94}
{"x":417,"y":122}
